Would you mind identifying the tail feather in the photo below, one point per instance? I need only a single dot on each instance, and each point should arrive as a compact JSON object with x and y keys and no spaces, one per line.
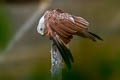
{"x":65,"y":52}
{"x":94,"y":36}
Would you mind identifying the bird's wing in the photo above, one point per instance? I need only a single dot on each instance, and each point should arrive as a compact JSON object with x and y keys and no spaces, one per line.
{"x":81,"y":22}
{"x":85,"y":33}
{"x":61,"y":30}
{"x":66,"y":27}
{"x":83,"y":25}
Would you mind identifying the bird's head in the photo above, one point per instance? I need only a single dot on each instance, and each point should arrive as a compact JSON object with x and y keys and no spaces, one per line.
{"x":41,"y":26}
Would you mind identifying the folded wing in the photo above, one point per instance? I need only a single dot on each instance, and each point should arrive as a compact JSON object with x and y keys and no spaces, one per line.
{"x":67,"y":27}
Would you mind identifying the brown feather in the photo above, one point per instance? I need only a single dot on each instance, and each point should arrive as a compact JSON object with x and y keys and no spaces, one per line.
{"x":81,"y":21}
{"x":56,"y":28}
{"x":70,"y":25}
{"x":67,"y":29}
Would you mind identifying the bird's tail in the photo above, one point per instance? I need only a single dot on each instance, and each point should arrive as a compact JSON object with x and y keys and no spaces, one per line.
{"x":64,"y":51}
{"x":94,"y":36}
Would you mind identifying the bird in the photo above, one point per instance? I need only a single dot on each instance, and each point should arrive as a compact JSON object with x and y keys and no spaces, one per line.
{"x":60,"y":27}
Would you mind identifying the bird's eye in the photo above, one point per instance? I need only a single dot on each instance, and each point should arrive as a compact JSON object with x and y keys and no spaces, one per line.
{"x":41,"y":29}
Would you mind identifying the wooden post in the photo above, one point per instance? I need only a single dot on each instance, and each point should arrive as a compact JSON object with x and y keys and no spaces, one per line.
{"x":56,"y":63}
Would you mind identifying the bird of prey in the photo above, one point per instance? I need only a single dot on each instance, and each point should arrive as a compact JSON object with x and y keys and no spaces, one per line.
{"x":60,"y":27}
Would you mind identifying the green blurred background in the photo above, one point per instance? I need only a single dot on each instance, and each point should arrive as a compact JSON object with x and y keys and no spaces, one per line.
{"x":29,"y":59}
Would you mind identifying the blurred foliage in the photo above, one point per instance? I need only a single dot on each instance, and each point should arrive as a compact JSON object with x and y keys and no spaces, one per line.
{"x":4,"y":30}
{"x":22,"y":1}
